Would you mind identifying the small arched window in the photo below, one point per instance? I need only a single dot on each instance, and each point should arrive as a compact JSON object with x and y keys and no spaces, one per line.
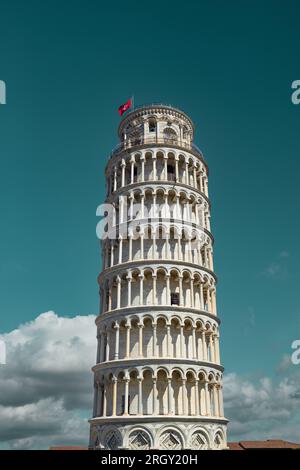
{"x":152,"y":125}
{"x":170,"y":134}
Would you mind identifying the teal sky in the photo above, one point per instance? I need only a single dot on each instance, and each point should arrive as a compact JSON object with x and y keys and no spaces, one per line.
{"x":229,"y":65}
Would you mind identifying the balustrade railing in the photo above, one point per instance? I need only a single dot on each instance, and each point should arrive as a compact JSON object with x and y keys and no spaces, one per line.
{"x":132,"y":143}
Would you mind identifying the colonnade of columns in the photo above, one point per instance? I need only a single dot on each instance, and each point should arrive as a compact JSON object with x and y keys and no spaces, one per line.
{"x":177,"y":394}
{"x":157,"y":166}
{"x":167,"y":247}
{"x":147,"y":287}
{"x":156,"y":203}
{"x":134,"y":339}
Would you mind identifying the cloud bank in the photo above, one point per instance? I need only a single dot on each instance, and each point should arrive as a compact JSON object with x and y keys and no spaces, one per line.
{"x":46,"y":389}
{"x":46,"y":385}
{"x":266,"y":409}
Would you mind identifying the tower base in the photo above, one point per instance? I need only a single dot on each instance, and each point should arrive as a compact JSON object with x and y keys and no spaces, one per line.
{"x":162,"y":432}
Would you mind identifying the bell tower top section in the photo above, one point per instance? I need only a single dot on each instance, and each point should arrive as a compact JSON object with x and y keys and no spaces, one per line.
{"x":158,"y":122}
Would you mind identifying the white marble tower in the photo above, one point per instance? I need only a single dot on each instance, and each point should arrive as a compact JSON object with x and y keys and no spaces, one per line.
{"x":158,"y":377}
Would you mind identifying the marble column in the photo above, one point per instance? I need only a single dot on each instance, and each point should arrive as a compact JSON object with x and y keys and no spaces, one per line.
{"x":129,"y":281}
{"x":204,"y":346}
{"x":126,"y":401}
{"x":123,"y":165}
{"x":117,"y":343}
{"x":168,"y":341}
{"x":197,"y":401}
{"x":182,"y":341}
{"x":127,"y":353}
{"x":141,"y":277}
{"x":104,"y":412}
{"x":194,"y":342}
{"x":154,"y":340}
{"x":154,"y":393}
{"x":154,"y":292}
{"x":140,"y":396}
{"x":207,"y":400}
{"x":107,"y":344}
{"x":140,"y":327}
{"x":102,"y":347}
{"x":181,"y":303}
{"x":143,"y":168}
{"x":118,"y":292}
{"x":168,"y":289}
{"x":184,"y":397}
{"x":114,"y":400}
{"x":170,"y":407}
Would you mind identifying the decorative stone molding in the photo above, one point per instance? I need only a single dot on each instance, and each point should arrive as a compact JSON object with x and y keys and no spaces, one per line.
{"x":170,"y":440}
{"x":113,"y":440}
{"x":139,"y":440}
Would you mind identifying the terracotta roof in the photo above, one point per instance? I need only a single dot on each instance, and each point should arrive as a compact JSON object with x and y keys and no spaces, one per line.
{"x":235,"y":446}
{"x":269,"y":444}
{"x":241,"y":445}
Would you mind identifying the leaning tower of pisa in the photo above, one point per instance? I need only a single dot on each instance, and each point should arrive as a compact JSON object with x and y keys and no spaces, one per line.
{"x":158,"y":376}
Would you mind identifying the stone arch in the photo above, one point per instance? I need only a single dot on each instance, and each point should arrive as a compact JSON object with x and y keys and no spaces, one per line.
{"x":170,"y":135}
{"x":218,"y":439}
{"x":139,"y":438}
{"x":199,"y":439}
{"x":211,"y":376}
{"x":112,"y":438}
{"x":179,"y":370}
{"x":147,"y":316}
{"x":171,"y":438}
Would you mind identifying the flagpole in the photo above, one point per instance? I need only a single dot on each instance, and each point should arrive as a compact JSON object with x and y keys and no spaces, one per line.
{"x":132,"y":98}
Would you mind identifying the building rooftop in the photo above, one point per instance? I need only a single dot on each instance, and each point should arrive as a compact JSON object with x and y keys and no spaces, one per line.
{"x":268,"y":444}
{"x":241,"y":445}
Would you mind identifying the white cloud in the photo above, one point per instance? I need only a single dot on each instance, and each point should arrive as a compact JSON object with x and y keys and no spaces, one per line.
{"x":277,"y":269}
{"x":46,"y":385}
{"x":46,"y":389}
{"x":263,"y":409}
{"x":41,"y":424}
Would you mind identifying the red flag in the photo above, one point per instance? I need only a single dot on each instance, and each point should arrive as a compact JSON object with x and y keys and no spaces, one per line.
{"x":125,"y":106}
